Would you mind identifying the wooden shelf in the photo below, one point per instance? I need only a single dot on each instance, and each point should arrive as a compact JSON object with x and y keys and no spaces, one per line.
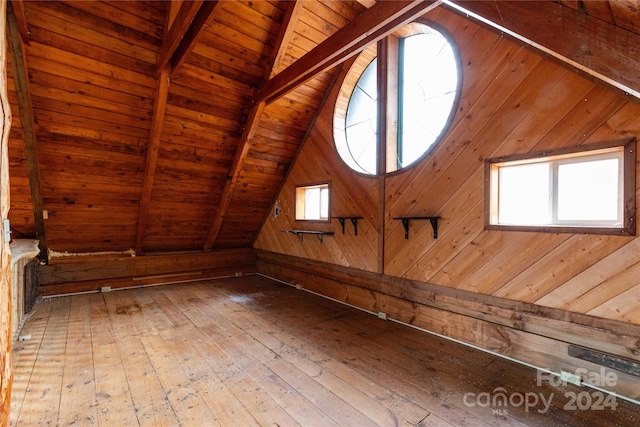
{"x":300,"y":233}
{"x":405,"y":223}
{"x":354,"y":221}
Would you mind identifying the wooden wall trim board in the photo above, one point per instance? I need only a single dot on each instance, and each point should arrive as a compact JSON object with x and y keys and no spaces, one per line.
{"x":532,"y":334}
{"x":6,"y":370}
{"x":85,"y":273}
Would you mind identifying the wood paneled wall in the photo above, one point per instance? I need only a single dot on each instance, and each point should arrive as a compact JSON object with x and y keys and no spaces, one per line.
{"x":514,"y":100}
{"x":90,"y":273}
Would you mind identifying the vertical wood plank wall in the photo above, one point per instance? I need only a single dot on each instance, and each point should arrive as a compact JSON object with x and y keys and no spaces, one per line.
{"x":514,"y":100}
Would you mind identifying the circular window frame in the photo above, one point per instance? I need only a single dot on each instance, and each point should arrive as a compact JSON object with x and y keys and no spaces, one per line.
{"x":352,"y":77}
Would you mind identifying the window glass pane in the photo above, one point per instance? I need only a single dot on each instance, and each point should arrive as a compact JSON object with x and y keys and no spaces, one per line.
{"x":362,"y":123}
{"x":362,"y":147}
{"x":421,"y":100}
{"x":312,"y":203}
{"x":368,"y":82}
{"x":324,"y":203}
{"x":429,"y":84}
{"x":588,"y":191}
{"x":362,"y":109}
{"x":524,"y":195}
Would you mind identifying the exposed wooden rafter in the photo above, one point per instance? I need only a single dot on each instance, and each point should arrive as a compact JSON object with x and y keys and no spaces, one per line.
{"x":234,"y":175}
{"x":607,"y":52}
{"x":159,"y":108}
{"x":291,"y":15}
{"x":253,"y":119}
{"x":193,"y":34}
{"x":369,"y":27}
{"x":184,"y":31}
{"x":21,"y":79}
{"x":21,"y":19}
{"x":178,"y":30}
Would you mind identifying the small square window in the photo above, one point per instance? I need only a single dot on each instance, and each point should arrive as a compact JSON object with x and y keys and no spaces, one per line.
{"x":585,"y":190}
{"x":312,"y":202}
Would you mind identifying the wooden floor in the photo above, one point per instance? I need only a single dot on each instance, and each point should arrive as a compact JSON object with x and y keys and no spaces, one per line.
{"x":250,"y":351}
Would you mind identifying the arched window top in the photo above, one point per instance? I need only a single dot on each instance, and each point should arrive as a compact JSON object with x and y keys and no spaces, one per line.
{"x":419,"y":74}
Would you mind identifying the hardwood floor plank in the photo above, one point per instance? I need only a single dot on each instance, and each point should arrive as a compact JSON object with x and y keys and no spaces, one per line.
{"x":25,"y":353}
{"x":188,"y":405}
{"x":149,"y":398}
{"x":42,"y":400}
{"x":252,"y":377}
{"x":113,"y":396}
{"x":151,"y":404}
{"x":219,"y":396}
{"x":249,"y":351}
{"x":342,"y":387}
{"x":328,"y":328}
{"x":296,"y":348}
{"x":77,"y":401}
{"x":209,"y":368}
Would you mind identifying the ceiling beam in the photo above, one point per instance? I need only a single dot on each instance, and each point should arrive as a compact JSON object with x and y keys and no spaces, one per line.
{"x":251,"y":125}
{"x":176,"y":33}
{"x":193,"y":34}
{"x":186,"y":27}
{"x":291,"y":15}
{"x":370,"y":26}
{"x":21,"y":18}
{"x":157,"y":120}
{"x":21,"y":81}
{"x":605,"y":51}
{"x":234,"y":173}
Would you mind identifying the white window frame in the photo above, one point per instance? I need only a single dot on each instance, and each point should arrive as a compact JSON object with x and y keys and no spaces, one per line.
{"x":321,"y":199}
{"x":624,"y":224}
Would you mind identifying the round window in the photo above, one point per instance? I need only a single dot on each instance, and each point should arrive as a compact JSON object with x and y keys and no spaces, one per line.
{"x":422,"y":87}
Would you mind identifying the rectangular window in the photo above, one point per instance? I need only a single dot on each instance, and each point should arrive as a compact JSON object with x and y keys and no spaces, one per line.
{"x":578,"y":190}
{"x":312,"y":202}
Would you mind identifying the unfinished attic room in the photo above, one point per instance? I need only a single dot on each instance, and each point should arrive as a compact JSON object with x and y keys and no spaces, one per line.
{"x":320,"y":213}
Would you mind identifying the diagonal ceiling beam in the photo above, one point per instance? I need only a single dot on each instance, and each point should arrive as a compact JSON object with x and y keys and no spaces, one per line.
{"x":234,"y":175}
{"x":159,"y":108}
{"x":284,"y":37}
{"x":21,"y":80}
{"x":369,"y":27}
{"x":251,"y":126}
{"x":179,"y":28}
{"x":193,"y":35}
{"x":600,"y":49}
{"x":184,"y":31}
{"x":21,"y":18}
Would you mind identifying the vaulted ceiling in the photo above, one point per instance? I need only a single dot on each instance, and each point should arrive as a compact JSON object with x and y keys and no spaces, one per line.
{"x":154,"y":126}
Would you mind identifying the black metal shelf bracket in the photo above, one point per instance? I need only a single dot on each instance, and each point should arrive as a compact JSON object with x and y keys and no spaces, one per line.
{"x":319,"y":234}
{"x":405,"y":223}
{"x":354,"y":221}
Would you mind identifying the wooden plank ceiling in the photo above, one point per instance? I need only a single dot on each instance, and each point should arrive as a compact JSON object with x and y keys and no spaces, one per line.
{"x":153,"y":126}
